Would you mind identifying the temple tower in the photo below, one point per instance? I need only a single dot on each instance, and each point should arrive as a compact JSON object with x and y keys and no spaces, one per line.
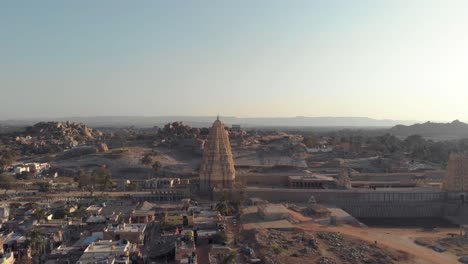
{"x":217,"y":167}
{"x":456,"y":176}
{"x":343,"y":179}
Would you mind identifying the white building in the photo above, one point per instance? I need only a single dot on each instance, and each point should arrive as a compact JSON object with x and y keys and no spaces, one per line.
{"x":106,"y":251}
{"x":21,"y":169}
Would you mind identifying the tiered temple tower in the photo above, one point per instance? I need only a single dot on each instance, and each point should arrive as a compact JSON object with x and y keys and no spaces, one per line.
{"x":217,"y":168}
{"x":456,"y":177}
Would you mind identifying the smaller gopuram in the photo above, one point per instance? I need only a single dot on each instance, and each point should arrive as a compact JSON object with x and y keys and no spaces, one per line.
{"x":456,"y":176}
{"x":343,"y":179}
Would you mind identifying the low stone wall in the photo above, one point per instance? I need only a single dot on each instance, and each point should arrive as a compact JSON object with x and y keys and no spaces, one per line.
{"x":365,"y":203}
{"x":389,"y":210}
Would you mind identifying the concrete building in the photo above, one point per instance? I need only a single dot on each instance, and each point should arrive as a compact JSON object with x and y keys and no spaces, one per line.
{"x":217,"y":168}
{"x":106,"y":252}
{"x":21,"y":169}
{"x":34,"y":167}
{"x":178,"y":218}
{"x":135,"y":233}
{"x":456,"y":177}
{"x":142,"y":216}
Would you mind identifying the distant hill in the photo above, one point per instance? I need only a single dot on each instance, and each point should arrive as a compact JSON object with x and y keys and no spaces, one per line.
{"x":203,"y":121}
{"x":435,"y":131}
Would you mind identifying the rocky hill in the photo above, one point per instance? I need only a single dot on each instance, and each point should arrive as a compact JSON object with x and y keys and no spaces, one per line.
{"x":435,"y":131}
{"x":182,"y":136}
{"x":63,"y":129}
{"x":50,"y":137}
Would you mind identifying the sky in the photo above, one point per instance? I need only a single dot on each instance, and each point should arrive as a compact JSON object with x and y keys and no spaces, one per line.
{"x":392,"y":59}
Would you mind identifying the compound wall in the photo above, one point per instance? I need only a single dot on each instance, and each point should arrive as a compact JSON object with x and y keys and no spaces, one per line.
{"x":412,"y":203}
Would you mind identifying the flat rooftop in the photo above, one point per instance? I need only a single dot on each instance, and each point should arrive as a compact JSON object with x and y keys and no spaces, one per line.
{"x":107,"y":246}
{"x":126,"y":228}
{"x":104,"y":250}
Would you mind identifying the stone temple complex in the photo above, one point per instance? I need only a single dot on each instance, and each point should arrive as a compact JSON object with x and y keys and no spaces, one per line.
{"x":217,"y":167}
{"x":456,"y":177}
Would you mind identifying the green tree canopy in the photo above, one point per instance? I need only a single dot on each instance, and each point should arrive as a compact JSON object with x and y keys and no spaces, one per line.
{"x":7,"y":182}
{"x":156,"y":166}
{"x":146,"y":160}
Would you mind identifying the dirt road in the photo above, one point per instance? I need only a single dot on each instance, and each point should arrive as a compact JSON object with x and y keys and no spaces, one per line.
{"x":398,"y":239}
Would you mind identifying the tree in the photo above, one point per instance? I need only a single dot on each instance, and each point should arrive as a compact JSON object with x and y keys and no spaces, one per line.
{"x":6,"y":182}
{"x":31,"y":206}
{"x":8,"y":158}
{"x":60,"y":214}
{"x":310,"y":140}
{"x":229,"y":258}
{"x":81,"y":213}
{"x":85,"y":182}
{"x":156,"y":166}
{"x":24,"y":260}
{"x":36,"y":241}
{"x":15,"y":205}
{"x":219,"y":238}
{"x":40,"y":214}
{"x":43,"y":186}
{"x":222,"y":207}
{"x":146,"y":160}
{"x":100,"y":177}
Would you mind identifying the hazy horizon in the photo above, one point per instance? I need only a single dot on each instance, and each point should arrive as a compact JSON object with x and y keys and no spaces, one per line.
{"x":398,"y":60}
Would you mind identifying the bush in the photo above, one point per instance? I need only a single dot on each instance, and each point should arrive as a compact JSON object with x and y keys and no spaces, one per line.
{"x":219,"y":238}
{"x":59,"y":214}
{"x":277,"y":250}
{"x":15,"y":205}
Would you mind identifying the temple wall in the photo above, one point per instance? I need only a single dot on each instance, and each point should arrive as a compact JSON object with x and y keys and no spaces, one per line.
{"x":367,"y":203}
{"x":279,"y":180}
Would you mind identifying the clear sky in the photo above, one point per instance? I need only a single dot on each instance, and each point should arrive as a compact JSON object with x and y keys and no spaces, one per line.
{"x":396,"y":59}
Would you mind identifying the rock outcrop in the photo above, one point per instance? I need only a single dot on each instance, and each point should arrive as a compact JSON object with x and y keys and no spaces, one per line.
{"x":51,"y":137}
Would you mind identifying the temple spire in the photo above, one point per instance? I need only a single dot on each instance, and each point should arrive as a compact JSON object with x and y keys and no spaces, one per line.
{"x":217,"y":167}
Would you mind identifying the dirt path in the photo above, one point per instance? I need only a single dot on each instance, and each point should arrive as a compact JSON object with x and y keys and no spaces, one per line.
{"x":398,"y":239}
